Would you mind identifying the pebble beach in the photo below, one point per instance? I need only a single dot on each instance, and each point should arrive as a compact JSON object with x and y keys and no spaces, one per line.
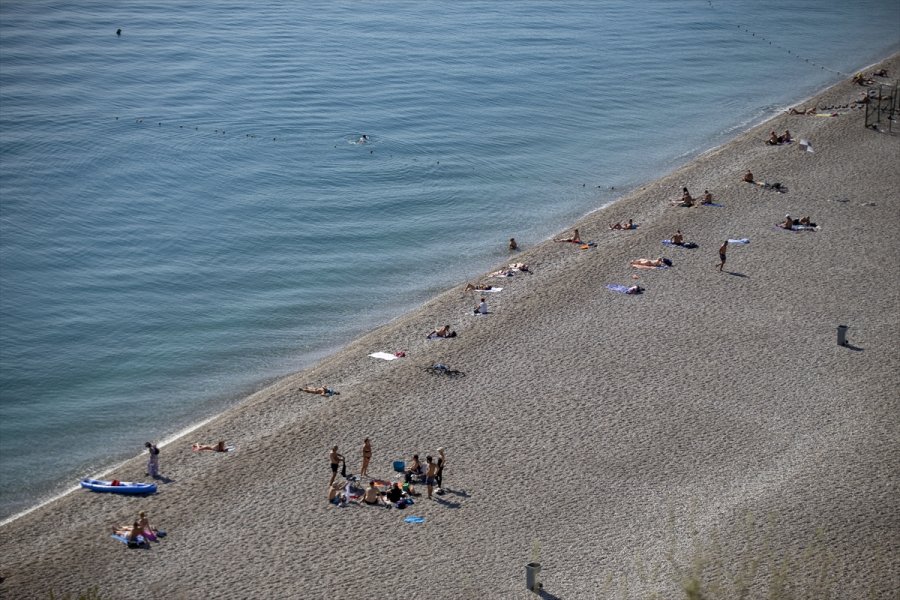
{"x":708,"y":432}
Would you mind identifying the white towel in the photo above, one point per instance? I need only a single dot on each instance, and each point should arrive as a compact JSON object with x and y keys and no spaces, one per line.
{"x":383,"y":355}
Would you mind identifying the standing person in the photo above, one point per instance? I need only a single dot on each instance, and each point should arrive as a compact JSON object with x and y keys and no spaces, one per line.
{"x":722,"y":250}
{"x":335,"y":458}
{"x":439,"y":476}
{"x":512,"y":244}
{"x":366,"y":456}
{"x":430,"y":471}
{"x":153,"y":462}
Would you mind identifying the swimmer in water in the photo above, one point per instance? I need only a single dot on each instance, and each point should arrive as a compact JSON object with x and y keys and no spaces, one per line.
{"x":362,"y":139}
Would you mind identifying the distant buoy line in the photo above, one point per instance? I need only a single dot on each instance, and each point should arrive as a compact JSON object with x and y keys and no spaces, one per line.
{"x":793,"y":53}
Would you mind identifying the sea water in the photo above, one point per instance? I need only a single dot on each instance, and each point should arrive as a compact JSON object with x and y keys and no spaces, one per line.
{"x":187,"y":210}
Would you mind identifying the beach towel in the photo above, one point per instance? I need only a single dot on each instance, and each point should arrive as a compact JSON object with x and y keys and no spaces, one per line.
{"x":688,"y":245}
{"x":384,"y":355}
{"x":141,"y":542}
{"x":715,"y":204}
{"x":493,"y":290}
{"x":739,"y":241}
{"x":807,"y":145}
{"x":411,"y":519}
{"x":649,"y":267}
{"x":622,"y":289}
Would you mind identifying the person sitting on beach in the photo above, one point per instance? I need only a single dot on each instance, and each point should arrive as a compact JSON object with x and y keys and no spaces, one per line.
{"x":803,"y":111}
{"x":788,"y":222}
{"x":748,"y":177}
{"x":629,"y":224}
{"x":395,"y":494}
{"x":441,"y":332}
{"x":880,"y":73}
{"x":414,"y":469}
{"x":649,"y":262}
{"x":372,"y":497}
{"x":481,"y":308}
{"x":470,"y":287}
{"x":219,"y":447}
{"x":337,"y":495}
{"x":576,"y":238}
{"x":521,"y":266}
{"x":513,"y":245}
{"x":678,"y":239}
{"x":686,"y":201}
{"x":773,"y":140}
{"x":786,"y":138}
{"x":144,"y":522}
{"x":321,"y":391}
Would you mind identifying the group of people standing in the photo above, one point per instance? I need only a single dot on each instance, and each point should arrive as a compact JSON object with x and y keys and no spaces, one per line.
{"x":431,"y":473}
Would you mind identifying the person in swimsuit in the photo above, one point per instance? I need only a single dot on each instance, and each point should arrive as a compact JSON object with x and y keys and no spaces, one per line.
{"x":366,"y":457}
{"x":513,"y":245}
{"x":635,"y":289}
{"x":144,"y":523}
{"x":442,"y":332}
{"x":414,"y":469}
{"x":748,"y":177}
{"x":722,"y":250}
{"x":629,"y":224}
{"x":646,"y":262}
{"x":430,"y":471}
{"x":321,"y":391}
{"x":576,"y":238}
{"x":707,"y":197}
{"x":678,"y":239}
{"x":335,"y":459}
{"x":219,"y":447}
{"x":372,"y":497}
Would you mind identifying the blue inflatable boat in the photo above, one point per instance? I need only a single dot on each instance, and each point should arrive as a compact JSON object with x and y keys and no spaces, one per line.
{"x":120,"y":487}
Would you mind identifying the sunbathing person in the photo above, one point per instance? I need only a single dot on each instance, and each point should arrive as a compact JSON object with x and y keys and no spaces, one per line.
{"x":470,"y":287}
{"x":441,"y":332}
{"x":219,"y":447}
{"x":707,"y":197}
{"x":414,"y":469}
{"x":635,"y":289}
{"x":513,"y":245}
{"x":748,"y":177}
{"x":576,"y":238}
{"x":786,"y":138}
{"x":522,"y":266}
{"x":686,"y":201}
{"x":372,"y":496}
{"x":648,"y":262}
{"x":130,"y":531}
{"x":803,"y":111}
{"x":678,"y":239}
{"x":321,"y":391}
{"x":395,"y":494}
{"x":629,"y":224}
{"x":773,"y":140}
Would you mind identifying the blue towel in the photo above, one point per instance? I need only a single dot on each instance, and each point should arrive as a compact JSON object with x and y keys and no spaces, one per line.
{"x":414,"y":519}
{"x":622,"y":289}
{"x":716,"y":204}
{"x":687,"y":245}
{"x":739,"y":241}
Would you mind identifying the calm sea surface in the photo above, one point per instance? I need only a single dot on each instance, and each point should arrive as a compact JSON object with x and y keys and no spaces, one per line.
{"x":184,"y":213}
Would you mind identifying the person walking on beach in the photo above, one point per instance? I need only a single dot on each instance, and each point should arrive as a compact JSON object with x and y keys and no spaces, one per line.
{"x":439,"y":475}
{"x":722,"y":250}
{"x":366,"y":457}
{"x":335,"y":460}
{"x":153,"y":462}
{"x":430,"y":471}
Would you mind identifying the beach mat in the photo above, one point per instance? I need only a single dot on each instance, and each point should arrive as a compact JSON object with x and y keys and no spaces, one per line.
{"x":621,"y":289}
{"x":687,"y":245}
{"x":739,"y":241}
{"x":384,"y":355}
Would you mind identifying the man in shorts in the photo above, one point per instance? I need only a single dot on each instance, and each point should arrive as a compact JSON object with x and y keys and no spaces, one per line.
{"x":335,"y":459}
{"x":430,"y":472}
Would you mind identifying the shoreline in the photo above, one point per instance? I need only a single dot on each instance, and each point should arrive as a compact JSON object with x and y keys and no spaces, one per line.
{"x":558,"y":269}
{"x":315,"y":357}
